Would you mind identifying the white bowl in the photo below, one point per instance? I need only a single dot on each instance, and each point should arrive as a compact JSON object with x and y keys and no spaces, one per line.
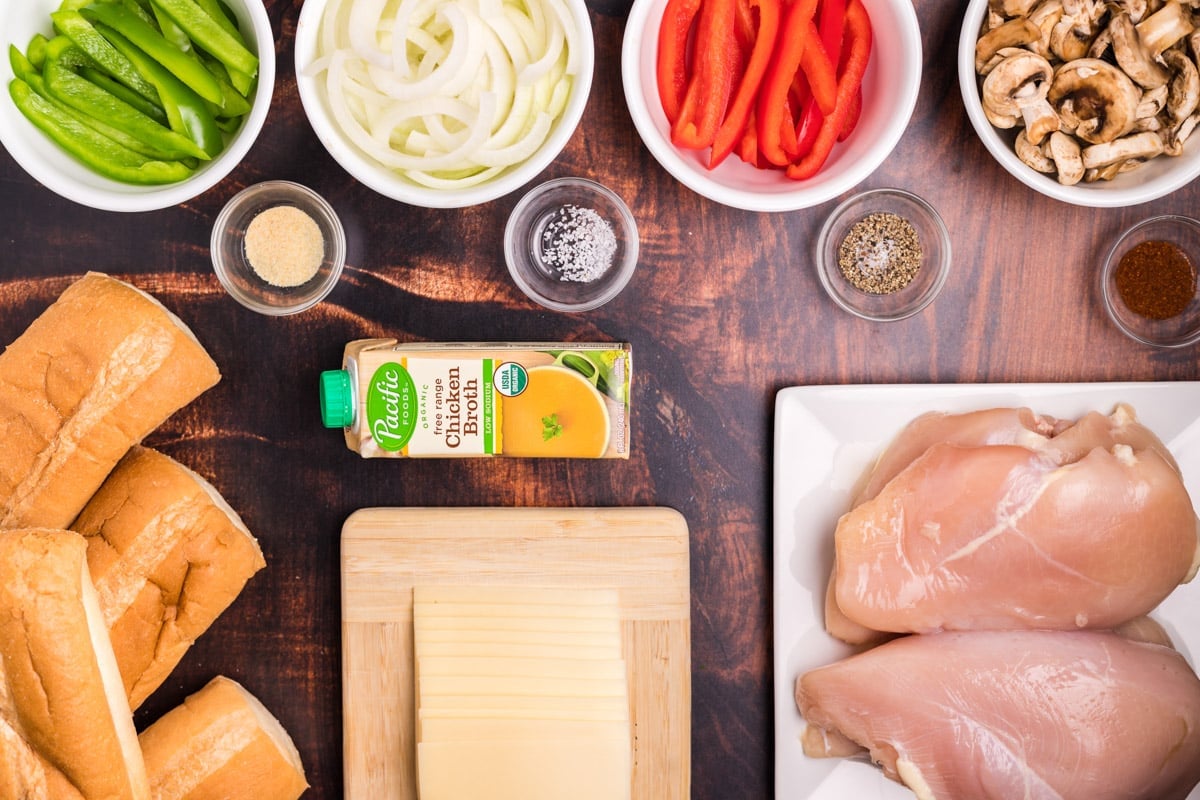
{"x":889,"y":95}
{"x":1155,"y":178}
{"x":390,"y":183}
{"x":63,"y":175}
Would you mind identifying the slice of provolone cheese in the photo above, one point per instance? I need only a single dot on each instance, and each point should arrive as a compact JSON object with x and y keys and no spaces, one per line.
{"x":527,"y":686}
{"x":526,"y":769}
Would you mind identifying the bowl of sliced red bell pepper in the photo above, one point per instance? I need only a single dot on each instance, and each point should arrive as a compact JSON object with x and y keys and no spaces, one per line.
{"x":133,"y":106}
{"x":771,"y":105}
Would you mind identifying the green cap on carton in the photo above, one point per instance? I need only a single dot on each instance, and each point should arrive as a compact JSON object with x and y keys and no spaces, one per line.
{"x":337,"y":399}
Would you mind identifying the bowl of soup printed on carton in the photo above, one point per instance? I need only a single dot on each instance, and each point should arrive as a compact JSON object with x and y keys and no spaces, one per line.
{"x":568,"y":400}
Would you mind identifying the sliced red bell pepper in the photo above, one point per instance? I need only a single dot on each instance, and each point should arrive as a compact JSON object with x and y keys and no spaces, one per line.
{"x":733,"y":126}
{"x":712,"y":78}
{"x":831,"y":22}
{"x":858,"y":33}
{"x":831,"y":25}
{"x":785,"y":61}
{"x":671,"y":70}
{"x":852,"y":115}
{"x":787,"y":129}
{"x":820,"y":71}
{"x":747,"y":147}
{"x":807,"y":128}
{"x":745,"y":26}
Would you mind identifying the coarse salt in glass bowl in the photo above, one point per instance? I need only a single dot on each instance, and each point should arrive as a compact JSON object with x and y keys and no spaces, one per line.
{"x":906,"y":300}
{"x":571,"y":244}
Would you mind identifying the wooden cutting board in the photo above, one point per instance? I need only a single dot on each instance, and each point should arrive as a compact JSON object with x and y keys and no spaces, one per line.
{"x":643,"y":552}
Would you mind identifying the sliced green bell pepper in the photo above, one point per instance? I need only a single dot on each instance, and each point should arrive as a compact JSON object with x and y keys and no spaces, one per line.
{"x":36,"y":51}
{"x":96,"y":151}
{"x":187,"y":69}
{"x":235,"y":104}
{"x":72,"y":25}
{"x":208,"y":33}
{"x":101,"y":79}
{"x":242,"y":81}
{"x":186,"y":112}
{"x":84,"y":96}
{"x":23,"y":68}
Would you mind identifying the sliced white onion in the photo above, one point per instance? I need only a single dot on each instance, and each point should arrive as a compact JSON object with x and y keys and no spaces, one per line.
{"x":365,"y":16}
{"x":449,"y":93}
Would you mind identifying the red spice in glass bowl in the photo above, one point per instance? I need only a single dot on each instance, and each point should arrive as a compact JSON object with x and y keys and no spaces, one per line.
{"x":1156,"y":279}
{"x":1149,"y":282}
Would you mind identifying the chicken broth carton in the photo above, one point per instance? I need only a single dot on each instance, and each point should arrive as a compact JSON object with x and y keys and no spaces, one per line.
{"x":454,"y":400}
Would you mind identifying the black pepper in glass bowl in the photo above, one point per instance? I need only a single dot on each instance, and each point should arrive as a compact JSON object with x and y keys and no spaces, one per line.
{"x":1149,"y":281}
{"x":883,"y":255}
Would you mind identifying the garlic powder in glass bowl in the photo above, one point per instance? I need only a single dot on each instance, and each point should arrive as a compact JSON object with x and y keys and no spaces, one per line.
{"x":571,"y":244}
{"x":287,"y":262}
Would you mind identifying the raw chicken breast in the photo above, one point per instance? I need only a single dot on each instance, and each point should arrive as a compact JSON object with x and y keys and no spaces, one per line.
{"x":1019,"y":426}
{"x":1003,"y":537}
{"x":1038,"y":715}
{"x":1064,"y":441}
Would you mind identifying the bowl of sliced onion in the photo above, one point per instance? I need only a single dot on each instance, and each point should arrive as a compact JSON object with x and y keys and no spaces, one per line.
{"x":444,"y":103}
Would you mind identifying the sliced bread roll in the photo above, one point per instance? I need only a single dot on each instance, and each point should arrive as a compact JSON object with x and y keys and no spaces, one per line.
{"x":97,"y":371}
{"x":221,"y":744}
{"x":66,"y":730}
{"x":167,"y":555}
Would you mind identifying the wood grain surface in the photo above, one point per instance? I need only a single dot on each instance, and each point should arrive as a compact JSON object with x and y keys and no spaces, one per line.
{"x":642,"y":553}
{"x":724,"y":310}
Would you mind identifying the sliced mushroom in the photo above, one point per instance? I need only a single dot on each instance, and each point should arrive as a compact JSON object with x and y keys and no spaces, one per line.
{"x":1101,"y":45}
{"x":1045,"y":16}
{"x":1017,"y":82}
{"x":1131,"y":55}
{"x":1101,"y":173}
{"x":1047,"y":12}
{"x":1001,"y":54}
{"x":1137,"y":9}
{"x":1143,"y":145}
{"x":1194,"y":44}
{"x":1152,"y":102}
{"x":1173,"y":142}
{"x":1072,"y":35}
{"x":1040,"y":120}
{"x":1067,"y":159}
{"x":1164,"y":28}
{"x":1183,"y":91}
{"x":1014,"y":33}
{"x":1094,"y":99}
{"x":1011,"y":8}
{"x":1032,"y":155}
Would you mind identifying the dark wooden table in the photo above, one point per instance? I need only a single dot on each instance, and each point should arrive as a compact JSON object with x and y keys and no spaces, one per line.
{"x":724,"y":310}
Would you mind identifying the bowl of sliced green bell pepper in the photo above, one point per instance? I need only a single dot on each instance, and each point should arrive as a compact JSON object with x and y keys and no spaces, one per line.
{"x":133,"y":105}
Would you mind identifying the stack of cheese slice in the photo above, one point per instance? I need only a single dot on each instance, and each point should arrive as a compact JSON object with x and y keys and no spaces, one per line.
{"x":521,"y":693}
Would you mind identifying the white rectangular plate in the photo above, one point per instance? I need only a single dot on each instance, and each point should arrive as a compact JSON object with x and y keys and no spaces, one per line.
{"x":825,"y":438}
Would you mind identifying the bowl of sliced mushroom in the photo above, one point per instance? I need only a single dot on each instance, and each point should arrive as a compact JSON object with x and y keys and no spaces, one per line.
{"x":1092,"y":102}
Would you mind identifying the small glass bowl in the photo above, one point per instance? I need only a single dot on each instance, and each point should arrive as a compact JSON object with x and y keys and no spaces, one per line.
{"x":935,"y":255}
{"x":530,"y":225}
{"x":228,"y":248}
{"x":1178,"y":331}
